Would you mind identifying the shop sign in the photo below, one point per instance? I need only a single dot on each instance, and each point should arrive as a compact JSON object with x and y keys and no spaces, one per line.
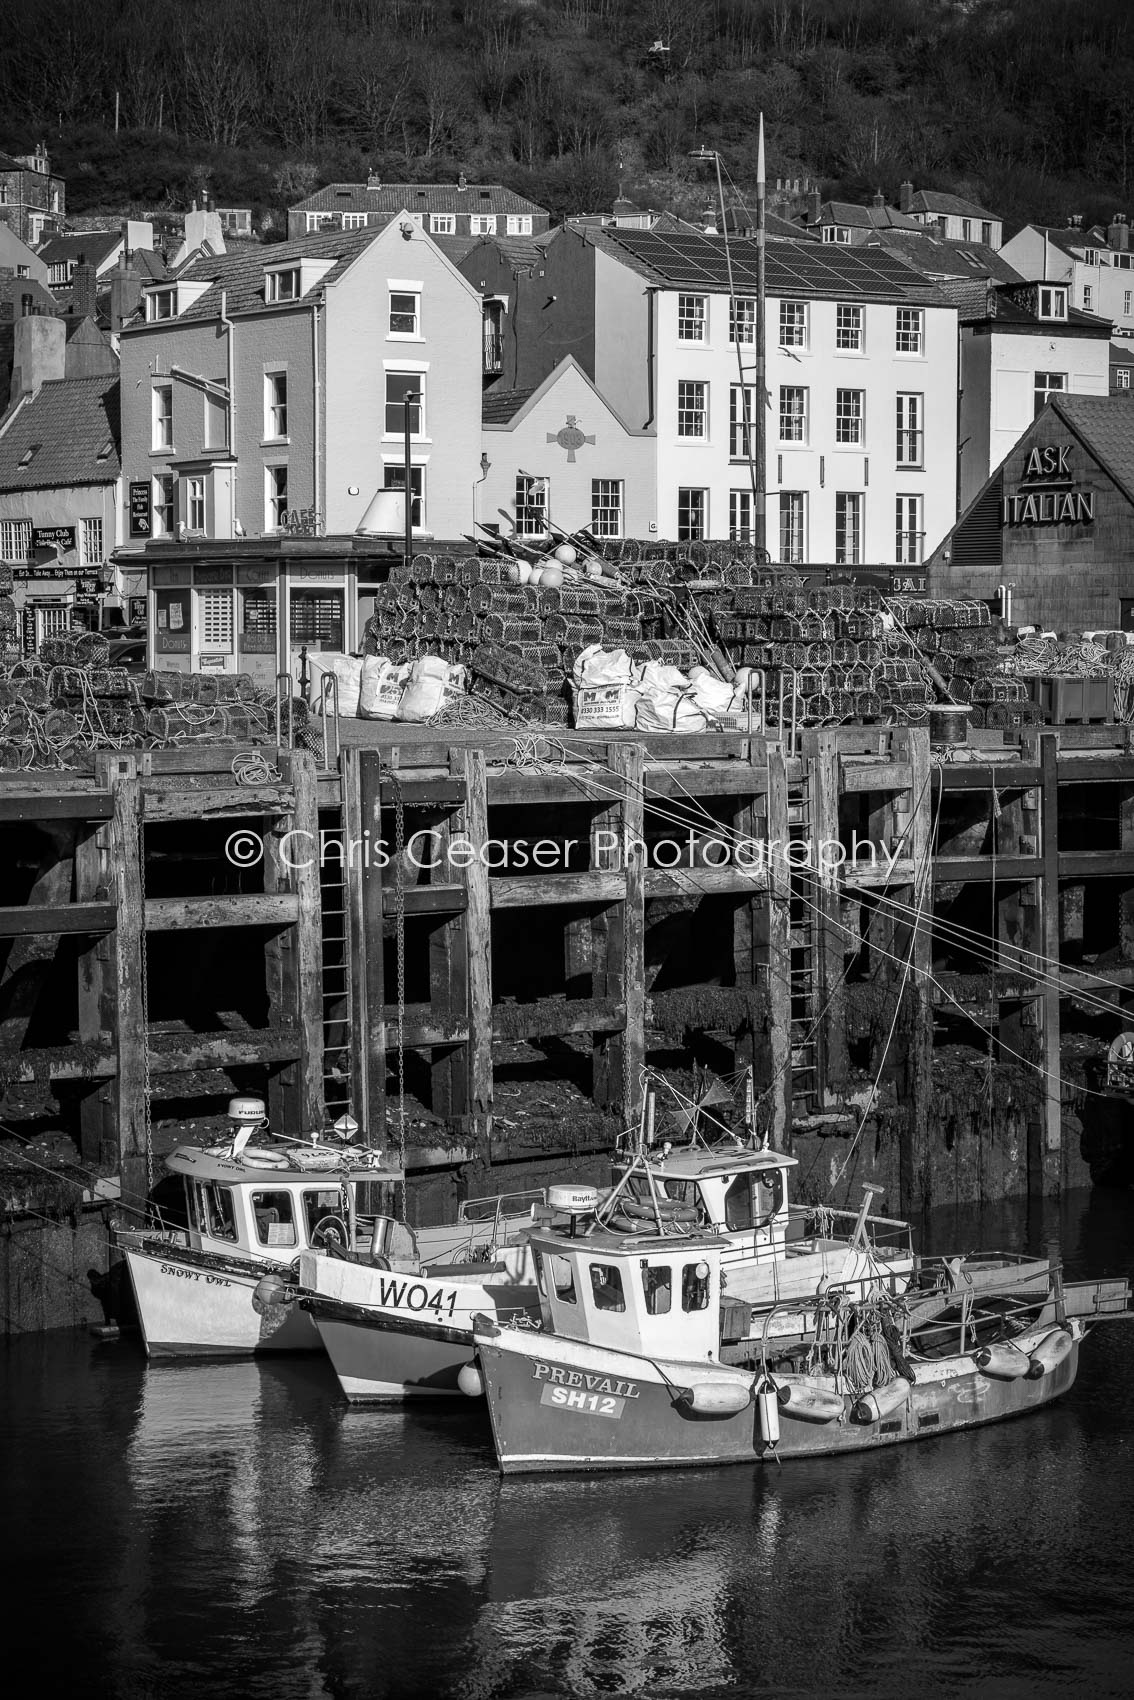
{"x":1046,"y":494}
{"x":53,"y":537}
{"x":909,"y":584}
{"x":210,"y":664}
{"x":136,"y":610}
{"x":140,"y":517}
{"x":302,"y":522}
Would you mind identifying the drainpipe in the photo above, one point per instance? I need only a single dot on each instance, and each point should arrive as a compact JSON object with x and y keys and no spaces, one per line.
{"x":227,"y":323}
{"x":318,"y":400}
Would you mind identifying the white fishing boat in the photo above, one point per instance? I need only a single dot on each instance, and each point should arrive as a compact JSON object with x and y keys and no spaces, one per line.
{"x":251,"y":1206}
{"x":643,"y":1360}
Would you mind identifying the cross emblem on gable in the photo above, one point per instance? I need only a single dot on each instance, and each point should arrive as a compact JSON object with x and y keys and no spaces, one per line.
{"x":569,"y":437}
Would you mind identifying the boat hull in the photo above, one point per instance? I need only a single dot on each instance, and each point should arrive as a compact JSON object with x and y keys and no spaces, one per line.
{"x":190,"y":1308}
{"x":561,"y":1405}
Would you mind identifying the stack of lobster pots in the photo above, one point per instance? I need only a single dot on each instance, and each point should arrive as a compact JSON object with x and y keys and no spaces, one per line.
{"x":966,"y":648}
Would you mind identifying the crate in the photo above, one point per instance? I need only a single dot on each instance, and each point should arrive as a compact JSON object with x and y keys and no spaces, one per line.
{"x":1075,"y":702}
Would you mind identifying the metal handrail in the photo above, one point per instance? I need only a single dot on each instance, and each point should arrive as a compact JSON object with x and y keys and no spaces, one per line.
{"x":329,"y":688}
{"x":284,"y":691}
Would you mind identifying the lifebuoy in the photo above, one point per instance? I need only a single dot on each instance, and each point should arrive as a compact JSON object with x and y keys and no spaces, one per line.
{"x":669,"y":1209}
{"x":257,"y":1157}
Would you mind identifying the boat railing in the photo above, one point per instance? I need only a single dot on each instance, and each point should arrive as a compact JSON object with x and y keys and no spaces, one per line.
{"x":878,"y":1232}
{"x":496,"y":1207}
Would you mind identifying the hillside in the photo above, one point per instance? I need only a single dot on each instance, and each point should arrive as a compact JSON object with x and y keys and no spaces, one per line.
{"x":1024,"y":106}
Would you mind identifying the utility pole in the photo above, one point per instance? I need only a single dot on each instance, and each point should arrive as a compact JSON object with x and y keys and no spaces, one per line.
{"x":760,"y":497}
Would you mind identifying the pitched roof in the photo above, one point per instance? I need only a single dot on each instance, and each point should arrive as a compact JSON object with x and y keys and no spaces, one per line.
{"x":866,"y":218}
{"x":241,"y":274}
{"x":933,"y":201}
{"x":520,"y":251}
{"x":66,"y":427}
{"x":499,"y":405}
{"x":1105,"y":424}
{"x":418,"y":197}
{"x":93,"y":246}
{"x":7,"y":163}
{"x":799,"y":269}
{"x":979,"y":300}
{"x":945,"y":256}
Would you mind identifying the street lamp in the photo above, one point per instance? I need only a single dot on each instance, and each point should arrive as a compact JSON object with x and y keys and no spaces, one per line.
{"x":757,"y":432}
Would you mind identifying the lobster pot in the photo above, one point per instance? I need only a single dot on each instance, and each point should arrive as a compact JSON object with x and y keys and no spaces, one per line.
{"x":65,"y":682}
{"x":60,"y":726}
{"x":207,"y":689}
{"x":512,"y":628}
{"x":867,"y":705}
{"x":91,"y":649}
{"x":504,"y":599}
{"x":236,"y":720}
{"x":622,"y":631}
{"x":542,"y":655}
{"x":109,"y":681}
{"x":32,"y":693}
{"x":580,"y":600}
{"x":12,"y":755}
{"x":160,"y":724}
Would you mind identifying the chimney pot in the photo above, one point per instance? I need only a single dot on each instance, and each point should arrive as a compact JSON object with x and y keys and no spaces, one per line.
{"x":879,"y":199}
{"x":905,"y":196}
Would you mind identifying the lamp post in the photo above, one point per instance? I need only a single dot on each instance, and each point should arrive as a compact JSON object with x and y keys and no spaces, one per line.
{"x":757,"y":431}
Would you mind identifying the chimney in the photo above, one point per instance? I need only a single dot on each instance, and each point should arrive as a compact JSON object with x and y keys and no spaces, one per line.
{"x":125,"y":296}
{"x":83,"y":290}
{"x":878,"y":200}
{"x":1118,"y":232}
{"x":814,"y":207}
{"x":1074,"y":221}
{"x":462,"y":182}
{"x":373,"y":179}
{"x":39,"y":352}
{"x":905,"y":196}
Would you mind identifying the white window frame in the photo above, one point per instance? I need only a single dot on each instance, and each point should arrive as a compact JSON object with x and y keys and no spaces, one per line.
{"x":1052,"y":301}
{"x":518,"y":224}
{"x":909,"y":446}
{"x":399,"y":333}
{"x":318,"y":221}
{"x":482,"y":224}
{"x":215,"y":626}
{"x":740,"y":516}
{"x":15,"y":540}
{"x":794,"y":414}
{"x":1088,"y":298}
{"x":161,"y":418}
{"x":793,"y":526}
{"x":850,"y":417}
{"x":1048,"y":388}
{"x":909,"y":530}
{"x":692,"y":318}
{"x":692,"y":410}
{"x":849,"y":328}
{"x":275,"y":496}
{"x":163,"y":500}
{"x":607,"y":507}
{"x":275,"y":406}
{"x":1090,"y":257}
{"x":196,"y":503}
{"x":836,"y":233}
{"x":283,"y":285}
{"x":394,"y":478}
{"x":849,"y":510}
{"x":354,"y":221}
{"x":395,"y":426}
{"x":443,"y":224}
{"x":215,"y":416}
{"x":795,"y":324}
{"x":161,"y":304}
{"x":91,"y":550}
{"x":909,"y":332}
{"x":693,"y":526}
{"x":533,"y":503}
{"x":742,"y":319}
{"x":741,"y":421}
{"x":1127,"y":303}
{"x":1122,"y":377}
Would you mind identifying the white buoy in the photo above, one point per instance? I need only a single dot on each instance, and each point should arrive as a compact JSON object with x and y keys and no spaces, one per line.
{"x":768,"y":1407}
{"x":1003,"y":1361}
{"x":717,"y":1398}
{"x":470,"y":1381}
{"x":1049,"y":1353}
{"x":872,"y":1407}
{"x":551,"y":577}
{"x":566,"y":553}
{"x":810,"y":1404}
{"x":535,"y":576}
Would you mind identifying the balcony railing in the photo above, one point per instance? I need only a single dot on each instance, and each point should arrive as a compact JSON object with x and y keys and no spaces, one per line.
{"x":493,"y":352}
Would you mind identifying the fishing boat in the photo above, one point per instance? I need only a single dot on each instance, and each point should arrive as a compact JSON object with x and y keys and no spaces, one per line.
{"x":207,"y":1278}
{"x":643,"y":1358}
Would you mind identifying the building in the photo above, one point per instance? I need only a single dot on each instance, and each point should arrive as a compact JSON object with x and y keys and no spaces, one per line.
{"x":1050,"y":535}
{"x":101,"y":249}
{"x":849,"y":225}
{"x":951,"y":215}
{"x":861,"y":376}
{"x":266,"y":398}
{"x":1122,"y":367}
{"x":33,"y":203}
{"x":560,"y":454}
{"x":236,"y":222}
{"x":443,"y":209}
{"x":1096,"y":265}
{"x":60,"y":493}
{"x":18,"y":260}
{"x":1019,"y":345}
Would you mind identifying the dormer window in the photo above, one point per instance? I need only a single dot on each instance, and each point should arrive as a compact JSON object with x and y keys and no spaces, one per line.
{"x":1091,"y":257}
{"x":282,"y":285}
{"x":161,"y":304}
{"x":836,"y":233}
{"x":1052,"y":302}
{"x":59,"y":275}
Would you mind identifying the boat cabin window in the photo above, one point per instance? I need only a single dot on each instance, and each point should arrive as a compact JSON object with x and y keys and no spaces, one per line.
{"x":562,"y":1277}
{"x":275,"y":1219}
{"x":319,"y":1202}
{"x":657,"y":1284}
{"x":694,"y":1286}
{"x":606,"y":1285}
{"x":753,"y":1199}
{"x":214,"y":1211}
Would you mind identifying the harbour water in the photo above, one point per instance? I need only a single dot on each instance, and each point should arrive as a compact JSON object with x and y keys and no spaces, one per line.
{"x":234,"y":1530}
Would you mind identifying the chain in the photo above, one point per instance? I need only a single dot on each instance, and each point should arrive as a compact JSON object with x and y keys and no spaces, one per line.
{"x":400,"y":947}
{"x":145,"y":989}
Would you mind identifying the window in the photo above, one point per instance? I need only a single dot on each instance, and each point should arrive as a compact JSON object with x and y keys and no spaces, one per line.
{"x":692,"y":409}
{"x":1052,"y":303}
{"x":318,"y":221}
{"x":163,"y":504}
{"x":216,"y":422}
{"x":275,"y":404}
{"x":606,"y":1287}
{"x":793,"y":324}
{"x":405,"y":313}
{"x":90,"y":543}
{"x":213,"y":1211}
{"x":793,"y":525}
{"x":691,"y":312}
{"x":910,"y":447}
{"x":738,"y":1212}
{"x":848,"y":529}
{"x":354,"y":221}
{"x":482,"y":224}
{"x":695,"y":1286}
{"x":741,"y":413}
{"x":740,"y":516}
{"x":531,"y":505}
{"x":59,"y":275}
{"x":966,"y":230}
{"x":692,"y":515}
{"x":15,"y":539}
{"x":282,"y":285}
{"x":23,"y":271}
{"x":562,"y":1277}
{"x":1088,"y":298}
{"x":443,"y":224}
{"x":315,"y":618}
{"x":1122,"y":378}
{"x":195,"y":504}
{"x":327,"y":1201}
{"x":742,"y":319}
{"x":657,"y":1286}
{"x":1047,"y":384}
{"x":910,"y":331}
{"x":848,"y":416}
{"x":518,"y":224}
{"x":1091,"y":257}
{"x":275,"y":1221}
{"x":398,"y":385}
{"x":836,"y":233}
{"x":258,"y":622}
{"x":848,"y":328}
{"x":606,"y":507}
{"x":1127,"y":301}
{"x":161,"y":304}
{"x":214,"y":615}
{"x":394,"y":478}
{"x":162,"y":417}
{"x":986,"y":233}
{"x":909,"y":535}
{"x":275,"y":484}
{"x":793,"y":414}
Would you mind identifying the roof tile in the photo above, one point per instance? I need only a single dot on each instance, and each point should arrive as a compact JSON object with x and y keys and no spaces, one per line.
{"x":72,"y":419}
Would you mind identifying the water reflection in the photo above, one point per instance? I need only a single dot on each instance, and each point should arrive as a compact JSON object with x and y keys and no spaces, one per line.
{"x":234,"y":1529}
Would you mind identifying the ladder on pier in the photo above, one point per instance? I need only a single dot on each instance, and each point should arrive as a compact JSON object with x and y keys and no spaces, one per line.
{"x":804,"y":921}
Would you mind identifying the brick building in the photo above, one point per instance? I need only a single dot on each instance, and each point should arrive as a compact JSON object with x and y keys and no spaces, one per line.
{"x":442,"y":209}
{"x":32,"y":201}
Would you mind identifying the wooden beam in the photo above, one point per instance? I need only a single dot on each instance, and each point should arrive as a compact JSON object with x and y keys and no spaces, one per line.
{"x":131,"y":1106}
{"x":243,"y":909}
{"x":298,"y":767}
{"x":859,"y":776}
{"x":478,"y":921}
{"x":233,"y":801}
{"x":448,"y":971}
{"x":365,"y":933}
{"x":440,"y":899}
{"x":628,"y":1045}
{"x":97,"y":1134}
{"x":46,"y":918}
{"x":523,"y":891}
{"x":1048,"y":897}
{"x":832,"y":938}
{"x":36,"y":806}
{"x":779,"y":952}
